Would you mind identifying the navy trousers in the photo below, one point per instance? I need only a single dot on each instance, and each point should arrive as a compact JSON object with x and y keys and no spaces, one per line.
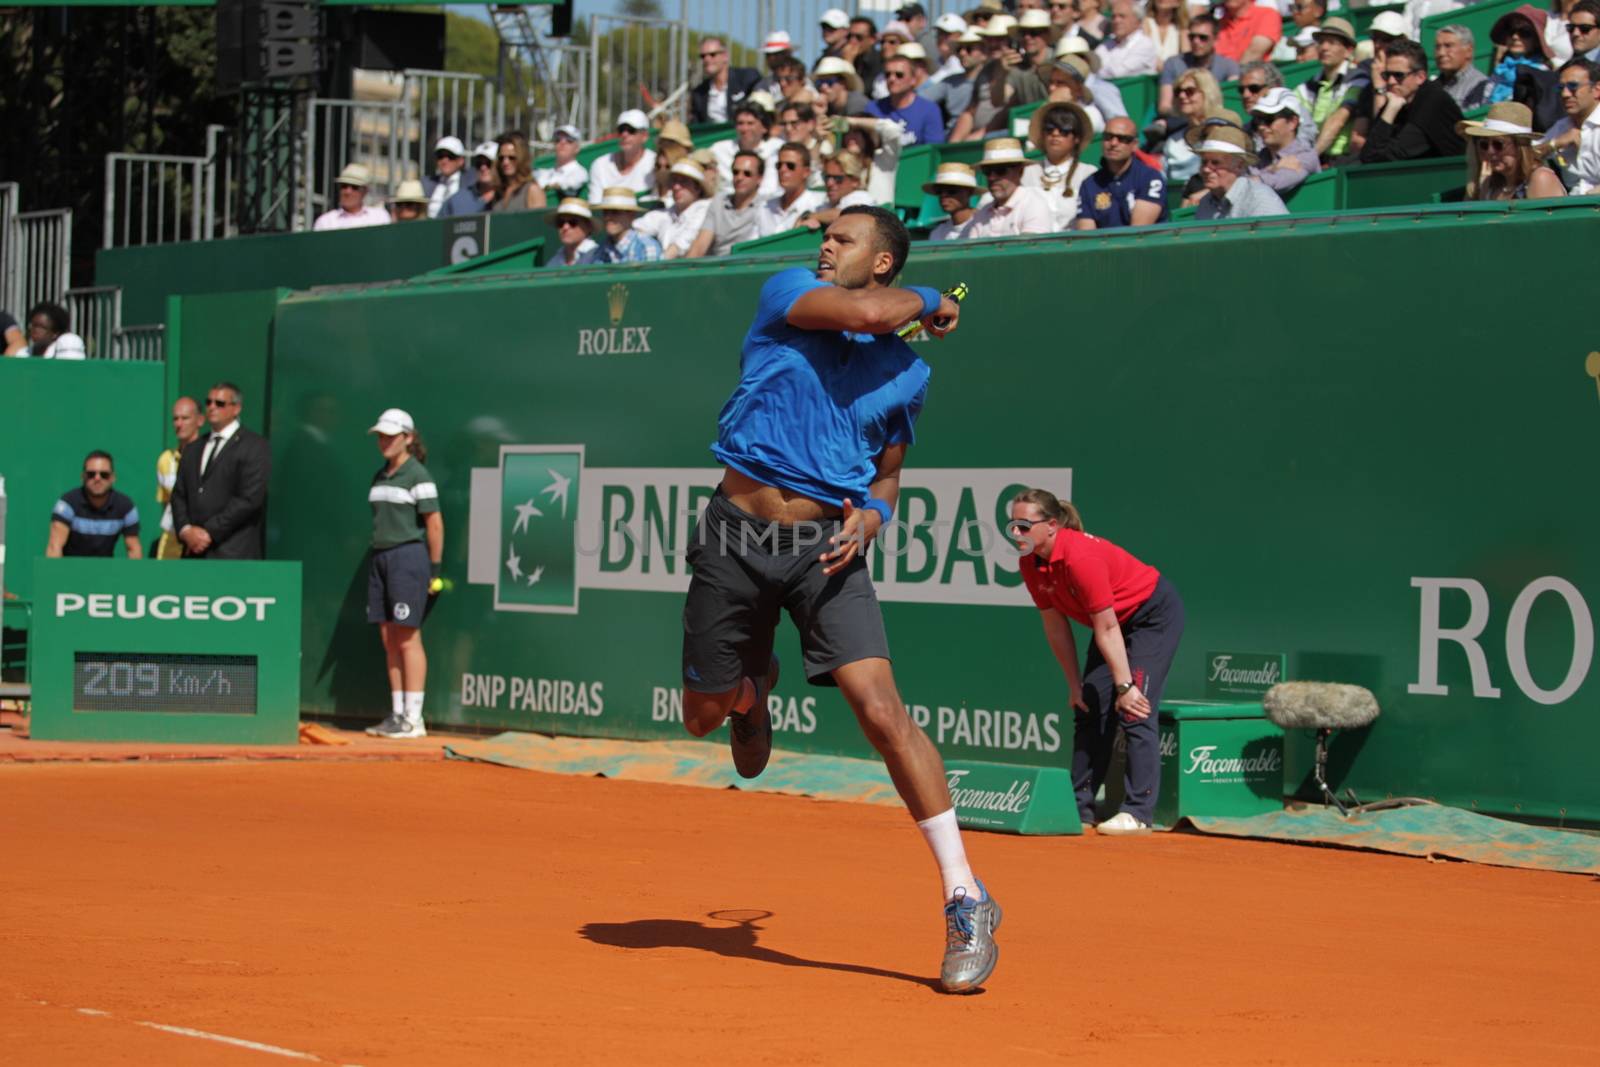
{"x":1152,"y":635}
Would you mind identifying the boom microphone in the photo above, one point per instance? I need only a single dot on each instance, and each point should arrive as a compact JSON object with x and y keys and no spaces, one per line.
{"x":1320,"y":706}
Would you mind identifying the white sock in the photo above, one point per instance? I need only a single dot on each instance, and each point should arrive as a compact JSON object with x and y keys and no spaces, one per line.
{"x":944,"y":837}
{"x":399,"y":701}
{"x":413,"y":708}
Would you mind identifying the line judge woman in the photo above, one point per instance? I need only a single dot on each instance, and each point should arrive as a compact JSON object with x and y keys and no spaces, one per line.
{"x":407,"y":545}
{"x":1137,"y":618}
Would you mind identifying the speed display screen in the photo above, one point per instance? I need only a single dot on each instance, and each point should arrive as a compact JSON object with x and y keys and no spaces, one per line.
{"x":164,"y":682}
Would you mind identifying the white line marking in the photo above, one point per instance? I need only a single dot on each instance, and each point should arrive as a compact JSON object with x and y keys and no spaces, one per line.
{"x":92,"y":1011}
{"x":239,"y":1041}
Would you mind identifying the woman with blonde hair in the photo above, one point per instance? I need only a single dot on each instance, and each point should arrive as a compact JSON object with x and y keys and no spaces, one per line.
{"x":1166,"y":25}
{"x":1136,"y":617}
{"x":1502,"y":162}
{"x":514,"y":167}
{"x":1196,"y":95}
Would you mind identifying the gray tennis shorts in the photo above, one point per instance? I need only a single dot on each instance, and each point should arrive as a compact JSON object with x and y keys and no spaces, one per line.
{"x":748,"y":570}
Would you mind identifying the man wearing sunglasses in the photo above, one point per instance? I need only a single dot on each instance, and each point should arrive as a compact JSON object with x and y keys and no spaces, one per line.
{"x":89,"y":520}
{"x":918,"y":116}
{"x":1415,"y":118}
{"x":813,"y":439}
{"x":479,"y":184}
{"x":1125,"y":191}
{"x":724,"y":86}
{"x":219,"y":502}
{"x":1575,"y":139}
{"x":1201,"y":53}
{"x":632,"y":165}
{"x":1583,"y":30}
{"x":449,"y":163}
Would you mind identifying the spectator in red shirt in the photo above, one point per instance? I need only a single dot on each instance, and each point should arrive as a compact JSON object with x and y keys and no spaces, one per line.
{"x":1137,"y":618}
{"x":1248,"y":30}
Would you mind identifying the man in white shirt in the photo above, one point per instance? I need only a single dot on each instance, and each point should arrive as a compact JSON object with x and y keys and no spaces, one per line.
{"x":49,"y":336}
{"x":449,"y":158}
{"x":568,"y":177}
{"x":1128,"y":51}
{"x":782,"y":213}
{"x":752,"y":128}
{"x":1014,"y":208}
{"x":353,"y":211}
{"x":631,"y":165}
{"x":1576,"y":138}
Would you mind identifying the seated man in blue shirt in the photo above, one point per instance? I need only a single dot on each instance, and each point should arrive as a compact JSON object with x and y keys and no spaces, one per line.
{"x":813,"y":438}
{"x":1125,"y":191}
{"x":88,"y":521}
{"x":918,"y":116}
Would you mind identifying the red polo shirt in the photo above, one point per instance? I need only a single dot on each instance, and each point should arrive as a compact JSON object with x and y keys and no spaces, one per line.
{"x":1234,"y":34}
{"x":1086,"y":574}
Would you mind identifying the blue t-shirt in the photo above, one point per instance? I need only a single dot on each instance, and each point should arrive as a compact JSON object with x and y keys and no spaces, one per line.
{"x":95,"y":531}
{"x":814,"y":408}
{"x":1109,"y":201}
{"x":921,"y":118}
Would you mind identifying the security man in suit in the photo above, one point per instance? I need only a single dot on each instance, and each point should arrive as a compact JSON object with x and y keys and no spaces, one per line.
{"x":219,"y":502}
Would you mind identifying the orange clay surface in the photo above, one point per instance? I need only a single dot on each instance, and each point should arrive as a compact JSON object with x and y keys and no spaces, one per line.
{"x":449,"y":913}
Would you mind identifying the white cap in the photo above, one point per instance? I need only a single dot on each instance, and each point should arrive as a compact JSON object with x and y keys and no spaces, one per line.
{"x":950,"y":23}
{"x":392,"y":421}
{"x":1226,"y":148}
{"x":1033,"y":19}
{"x":635,"y":118}
{"x":452,"y":145}
{"x":486,"y":148}
{"x":898,"y":29}
{"x":570,"y":132}
{"x":777,"y":41}
{"x":1275,"y":100}
{"x":1391,"y":22}
{"x":835,"y":19}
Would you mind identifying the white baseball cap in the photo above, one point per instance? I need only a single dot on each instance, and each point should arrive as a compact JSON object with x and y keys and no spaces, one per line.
{"x":835,"y":19}
{"x":1391,"y":22}
{"x":452,"y":145}
{"x":777,"y":41}
{"x":392,"y":421}
{"x":1275,"y":101}
{"x":486,"y":148}
{"x":635,"y":118}
{"x":569,"y":132}
{"x":950,"y":23}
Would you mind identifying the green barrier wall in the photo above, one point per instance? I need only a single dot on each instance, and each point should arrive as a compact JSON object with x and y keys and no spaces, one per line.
{"x":1350,"y":497}
{"x":214,"y":337}
{"x":149,"y":274}
{"x":52,"y":415}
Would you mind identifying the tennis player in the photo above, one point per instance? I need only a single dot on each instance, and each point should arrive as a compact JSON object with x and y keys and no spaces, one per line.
{"x":813,"y":439}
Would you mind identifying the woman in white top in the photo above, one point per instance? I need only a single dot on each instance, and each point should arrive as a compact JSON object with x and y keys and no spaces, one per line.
{"x":1059,"y":131}
{"x":1166,"y":25}
{"x":1196,"y":95}
{"x":880,"y":141}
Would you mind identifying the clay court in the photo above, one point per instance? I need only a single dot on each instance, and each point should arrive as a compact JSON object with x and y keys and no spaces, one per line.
{"x":433,"y":912}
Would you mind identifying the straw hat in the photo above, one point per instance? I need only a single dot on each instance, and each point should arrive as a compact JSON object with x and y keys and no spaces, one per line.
{"x":573,"y":207}
{"x":688,"y":168}
{"x":1036,"y":126}
{"x":674,"y":132}
{"x":1002,"y":152}
{"x":1077,"y":46}
{"x":1199,"y":131}
{"x":354,"y":174}
{"x":834,"y":67}
{"x":1337,"y":27}
{"x":969,"y":36}
{"x":410,"y":192}
{"x":998,"y":26}
{"x":777,"y":41}
{"x":1503,"y":120}
{"x":617,"y":198}
{"x":1230,"y":141}
{"x":954,"y":174}
{"x":1033,"y":19}
{"x":916,"y":53}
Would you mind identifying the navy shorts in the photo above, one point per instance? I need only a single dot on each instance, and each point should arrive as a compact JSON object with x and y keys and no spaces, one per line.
{"x":746,"y":572}
{"x":397,"y":584}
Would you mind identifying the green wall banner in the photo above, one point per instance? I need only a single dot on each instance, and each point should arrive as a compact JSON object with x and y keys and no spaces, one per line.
{"x":1391,"y":499}
{"x":127,"y":650}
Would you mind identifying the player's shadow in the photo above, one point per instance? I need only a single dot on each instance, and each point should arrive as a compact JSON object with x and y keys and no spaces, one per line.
{"x":739,"y":938}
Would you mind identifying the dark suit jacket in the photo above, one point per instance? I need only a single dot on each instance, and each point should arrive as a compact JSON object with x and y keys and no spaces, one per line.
{"x":740,"y":81}
{"x":230,"y":501}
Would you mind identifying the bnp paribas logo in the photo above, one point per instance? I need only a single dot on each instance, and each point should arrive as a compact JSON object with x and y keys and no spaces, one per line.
{"x":616,"y":339}
{"x":538,"y":569}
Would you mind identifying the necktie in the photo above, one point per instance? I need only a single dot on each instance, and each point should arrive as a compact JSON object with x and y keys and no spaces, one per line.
{"x":212,"y":449}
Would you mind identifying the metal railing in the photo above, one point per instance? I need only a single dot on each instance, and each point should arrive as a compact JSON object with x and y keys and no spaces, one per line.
{"x":147,"y":344}
{"x":442,"y":103}
{"x":10,"y":196}
{"x":39,"y":244}
{"x":96,"y":315}
{"x":341,"y":132}
{"x":747,"y":22}
{"x":157,"y":199}
{"x":633,"y":63}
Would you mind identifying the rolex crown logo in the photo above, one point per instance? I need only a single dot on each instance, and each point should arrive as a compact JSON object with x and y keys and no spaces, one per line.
{"x":617,"y":298}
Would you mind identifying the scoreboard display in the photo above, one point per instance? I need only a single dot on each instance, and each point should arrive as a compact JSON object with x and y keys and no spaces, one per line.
{"x":166,"y":650}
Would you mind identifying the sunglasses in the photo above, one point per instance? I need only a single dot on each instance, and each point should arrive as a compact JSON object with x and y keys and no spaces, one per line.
{"x":1188,"y":90}
{"x":213,"y":402}
{"x":1573,"y":87}
{"x":344,"y":185}
{"x":1498,"y":144}
{"x":1582,"y":27}
{"x":829,"y":179}
{"x":1064,"y":131}
{"x":1257,"y":88}
{"x":895,"y":75}
{"x":829,"y":83}
{"x":1199,"y":36}
{"x":789,"y":164}
{"x":1397,"y":75}
{"x":87,"y":475}
{"x":861,"y":36}
{"x":1120,"y":138}
{"x":445,"y":155}
{"x":626,"y":129}
{"x":709,"y":55}
{"x":1020,"y":527}
{"x":567,"y":220}
{"x":482,"y":161}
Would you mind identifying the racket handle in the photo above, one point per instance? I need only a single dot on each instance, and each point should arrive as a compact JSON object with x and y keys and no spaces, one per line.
{"x":957,"y":292}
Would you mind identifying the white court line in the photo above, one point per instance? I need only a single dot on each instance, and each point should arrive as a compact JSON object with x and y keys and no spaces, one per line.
{"x":206,"y":1035}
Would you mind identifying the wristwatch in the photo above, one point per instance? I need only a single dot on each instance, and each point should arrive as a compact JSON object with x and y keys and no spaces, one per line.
{"x":1123,"y":687}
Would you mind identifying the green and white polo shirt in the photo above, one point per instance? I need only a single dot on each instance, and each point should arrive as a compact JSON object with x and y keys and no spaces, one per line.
{"x":399,"y":501}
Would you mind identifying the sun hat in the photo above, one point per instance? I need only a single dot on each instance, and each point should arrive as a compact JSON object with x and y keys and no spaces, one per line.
{"x":998,"y":26}
{"x":1036,"y":125}
{"x":969,"y":36}
{"x":1077,"y":46}
{"x":1199,"y":131}
{"x":392,"y":421}
{"x":1391,"y":23}
{"x":1033,"y":19}
{"x":1228,"y":140}
{"x":834,"y":67}
{"x":575,"y":207}
{"x":674,"y":132}
{"x":951,"y":174}
{"x":1501,"y":32}
{"x":1337,"y":27}
{"x":835,"y":19}
{"x":452,"y":145}
{"x":354,"y":174}
{"x":899,"y":29}
{"x":688,"y":168}
{"x":915,"y":53}
{"x":410,"y":192}
{"x":1075,"y":66}
{"x":1002,"y":152}
{"x":1508,"y":119}
{"x":570,"y":132}
{"x":617,"y":198}
{"x":777,"y":41}
{"x":950,"y":22}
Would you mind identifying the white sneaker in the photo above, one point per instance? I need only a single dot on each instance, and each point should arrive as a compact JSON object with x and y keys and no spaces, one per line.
{"x":379,"y":729}
{"x":1122,"y":824}
{"x":400,"y":728}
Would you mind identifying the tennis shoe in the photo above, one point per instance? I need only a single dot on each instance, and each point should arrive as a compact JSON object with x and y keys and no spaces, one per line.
{"x":378,"y":729}
{"x":401,"y":728}
{"x":1122,"y":824}
{"x":970,"y":951}
{"x":750,"y":732}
